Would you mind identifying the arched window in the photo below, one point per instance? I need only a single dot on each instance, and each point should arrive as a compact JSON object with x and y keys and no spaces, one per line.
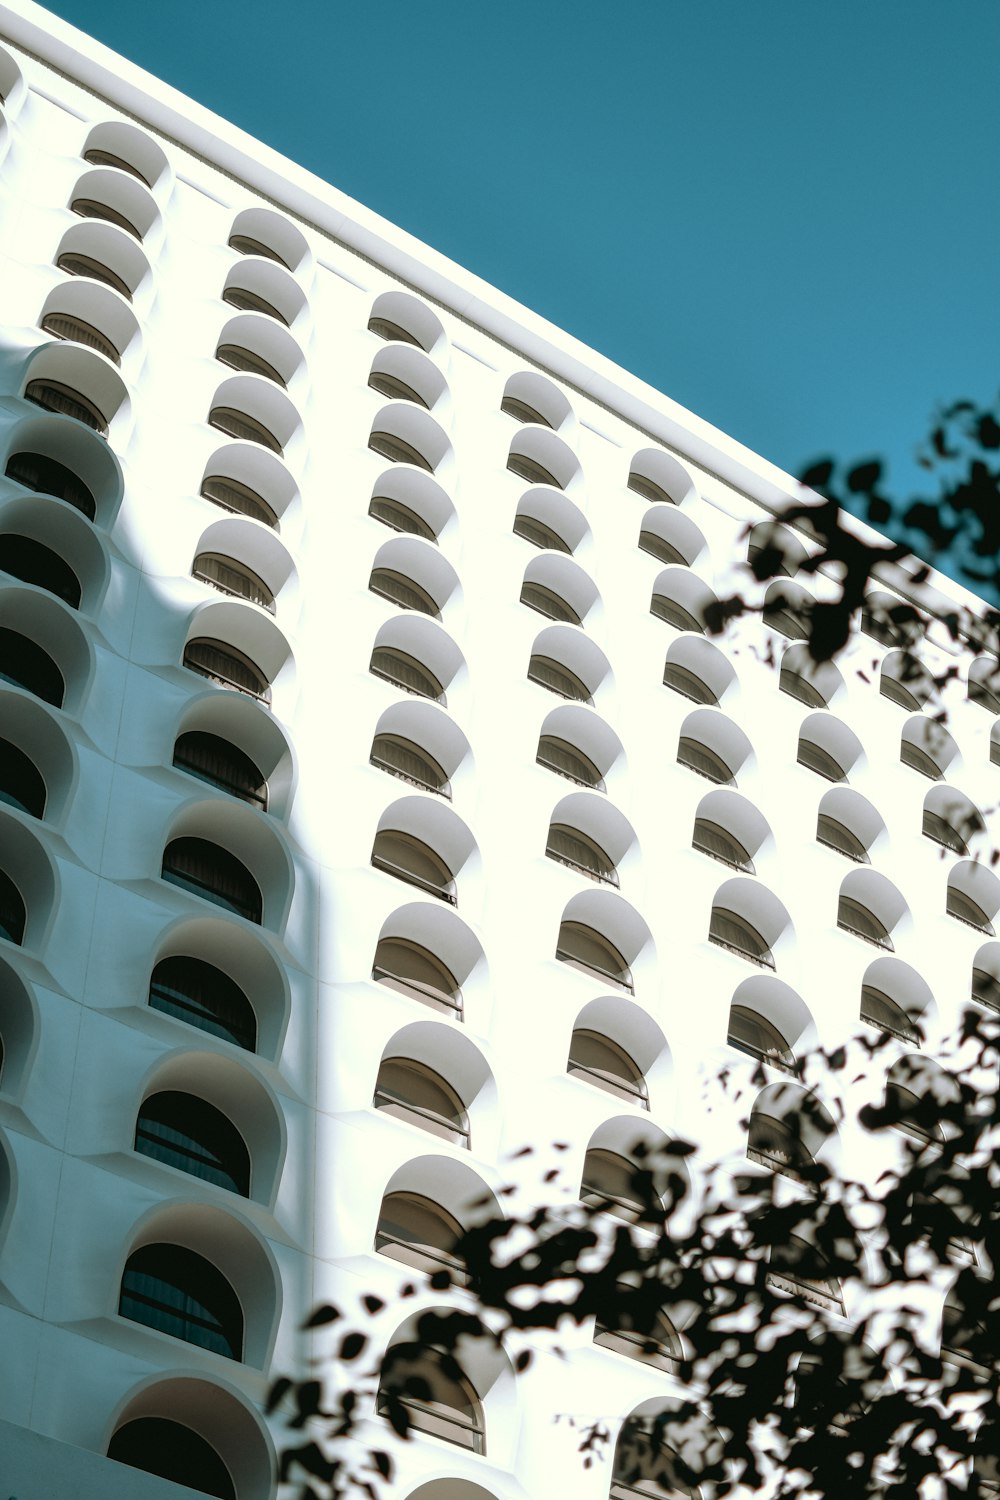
{"x":522,"y":412}
{"x":966,"y":910}
{"x":698,"y":757}
{"x":565,"y":759}
{"x":819,"y":760}
{"x":406,"y":672}
{"x":27,"y":666}
{"x":46,"y":476}
{"x":227,"y":666}
{"x":835,"y":836}
{"x":655,"y":493}
{"x":21,"y":783}
{"x":915,"y":1113}
{"x":879,"y":1010}
{"x":90,"y":208}
{"x":419,"y":1232}
{"x":93,"y":270}
{"x":940,"y":830}
{"x":249,"y":363}
{"x":247,"y":301}
{"x":194,"y":1136}
{"x":797,"y":686}
{"x":406,"y":966}
{"x":986,"y":989}
{"x":402,"y":590}
{"x":54,"y":396}
{"x":614,"y":1184}
{"x":799,"y":1267}
{"x":557,"y":678}
{"x":547,"y":602}
{"x":662,"y":550}
{"x":905,"y":683}
{"x":434,"y":1395}
{"x":600,"y":1061}
{"x":400,"y":517}
{"x":533,"y":530}
{"x":592,"y":953}
{"x":181,"y":1293}
{"x":221,"y":764}
{"x":778,"y":1144}
{"x":173,"y":1452}
{"x":392,"y":332}
{"x":752,"y":1034}
{"x":729,"y":930}
{"x":410,"y":762}
{"x":98,"y":158}
{"x":22,"y":557}
{"x":237,"y":498}
{"x":531,"y":470}
{"x":686,"y":682}
{"x":200,"y":994}
{"x":13,"y":914}
{"x":239,"y":424}
{"x":76,"y":331}
{"x":781,"y":614}
{"x":234,"y":578}
{"x":675,"y":614}
{"x":398,"y":451}
{"x":983,"y":690}
{"x":412,"y":860}
{"x":645,"y":1469}
{"x":653,"y":1339}
{"x":853,"y":917}
{"x":919,"y":758}
{"x":580,"y":852}
{"x":243,"y":244}
{"x":415,"y":1093}
{"x":394,"y":388}
{"x":213,"y":873}
{"x":712,"y":839}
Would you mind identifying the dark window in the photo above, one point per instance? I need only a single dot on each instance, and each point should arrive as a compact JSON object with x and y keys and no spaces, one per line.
{"x":226,"y":666}
{"x":790,"y":619}
{"x":221,"y":764}
{"x":410,"y":762}
{"x":237,"y":424}
{"x":397,"y":451}
{"x":986,"y":989}
{"x":246,"y":301}
{"x":548,"y":603}
{"x":244,"y":245}
{"x":417,"y":1231}
{"x":413,"y":970}
{"x":778,"y":1144}
{"x":593,"y":954}
{"x":21,"y":785}
{"x":651,"y":1339}
{"x":648,"y":490}
{"x":238,"y":358}
{"x":46,"y":476}
{"x":557,"y":678}
{"x":179,"y":1292}
{"x":158,"y":1446}
{"x":565,"y":759}
{"x":600,"y":1061}
{"x":200,"y":994}
{"x":238,"y":498}
{"x":25,"y":664}
{"x":522,"y":412}
{"x":232,"y":577}
{"x":402,"y":590}
{"x":533,"y":530}
{"x":22,"y":557}
{"x":76,"y":331}
{"x":412,"y":860}
{"x":729,"y":930}
{"x":386,"y":329}
{"x":99,"y":158}
{"x":531,"y":470}
{"x":966,"y":910}
{"x":836,"y":836}
{"x":752,"y":1034}
{"x":819,"y":760}
{"x":413,"y":1092}
{"x":675,"y":614}
{"x":400,"y":517}
{"x":854,"y":917}
{"x":881,"y":1011}
{"x":213,"y":873}
{"x":394,"y":388}
{"x":663,"y":550}
{"x":684,"y":681}
{"x":68,"y":402}
{"x":434,"y":1395}
{"x":89,"y":208}
{"x":194,"y":1136}
{"x":799,"y":687}
{"x":571,"y":847}
{"x":406,"y":672}
{"x":918,"y":760}
{"x":940,"y":830}
{"x":94,"y":270}
{"x":13,"y":914}
{"x":613,"y":1183}
{"x":711,"y":838}
{"x":698,"y":757}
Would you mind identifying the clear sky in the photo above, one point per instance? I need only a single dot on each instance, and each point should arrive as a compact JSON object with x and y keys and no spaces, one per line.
{"x":782,"y":213}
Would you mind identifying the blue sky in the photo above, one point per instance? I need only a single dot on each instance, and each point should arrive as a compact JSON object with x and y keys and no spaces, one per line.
{"x":782,"y":213}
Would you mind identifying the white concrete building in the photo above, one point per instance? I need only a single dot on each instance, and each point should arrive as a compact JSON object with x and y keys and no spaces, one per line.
{"x":371,"y":801}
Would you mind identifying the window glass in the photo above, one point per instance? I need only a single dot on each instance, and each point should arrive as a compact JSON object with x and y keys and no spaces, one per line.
{"x":179,"y":1292}
{"x":209,"y":871}
{"x":36,"y":471}
{"x":411,"y":969}
{"x":203,"y":996}
{"x":22,"y":557}
{"x":531,"y":470}
{"x":21,"y":783}
{"x":158,"y":1446}
{"x":26,"y":665}
{"x":415,"y":1093}
{"x":194,"y":1136}
{"x":221,"y":764}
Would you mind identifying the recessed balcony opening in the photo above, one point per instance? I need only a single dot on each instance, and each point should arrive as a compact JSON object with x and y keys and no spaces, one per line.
{"x":247,"y":301}
{"x":413,"y":970}
{"x":229,"y":576}
{"x":385,"y":328}
{"x":698,"y":757}
{"x":612,"y":1183}
{"x":245,"y":360}
{"x":530,"y":470}
{"x":203,"y":996}
{"x":398,"y":451}
{"x":244,"y":244}
{"x":836,"y":835}
{"x":192,"y":1135}
{"x":855,"y":918}
{"x":568,"y":846}
{"x":221,"y":764}
{"x":414,"y":1093}
{"x":211,"y":872}
{"x":76,"y":331}
{"x":885,"y":1014}
{"x":99,"y":158}
{"x":712,"y":839}
{"x":410,"y":859}
{"x":753,"y":1034}
{"x":599,"y":1061}
{"x":239,"y":499}
{"x":53,"y":396}
{"x":593,"y":954}
{"x":418,"y":1232}
{"x":237,"y":424}
{"x":94,"y":270}
{"x":403,"y":591}
{"x":168,"y":1449}
{"x":547,"y":602}
{"x":394,"y":388}
{"x":400,"y":517}
{"x":530,"y":529}
{"x":566,"y":760}
{"x":90,"y":208}
{"x":179,"y":1292}
{"x":557,"y":678}
{"x":522,"y":412}
{"x":13,"y":912}
{"x":410,"y":762}
{"x":406,"y":672}
{"x":21,"y":783}
{"x":729,"y":930}
{"x":22,"y":557}
{"x":24,"y":663}
{"x":227,"y":667}
{"x":451,"y":1410}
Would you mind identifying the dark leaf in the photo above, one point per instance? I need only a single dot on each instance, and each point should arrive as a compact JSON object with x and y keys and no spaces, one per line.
{"x":863,"y":479}
{"x":372,"y":1304}
{"x":278,"y":1391}
{"x":818,"y":475}
{"x":321,"y":1316}
{"x":351,"y":1345}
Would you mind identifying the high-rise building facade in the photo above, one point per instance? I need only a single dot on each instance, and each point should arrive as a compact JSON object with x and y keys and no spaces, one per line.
{"x":373,"y":801}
